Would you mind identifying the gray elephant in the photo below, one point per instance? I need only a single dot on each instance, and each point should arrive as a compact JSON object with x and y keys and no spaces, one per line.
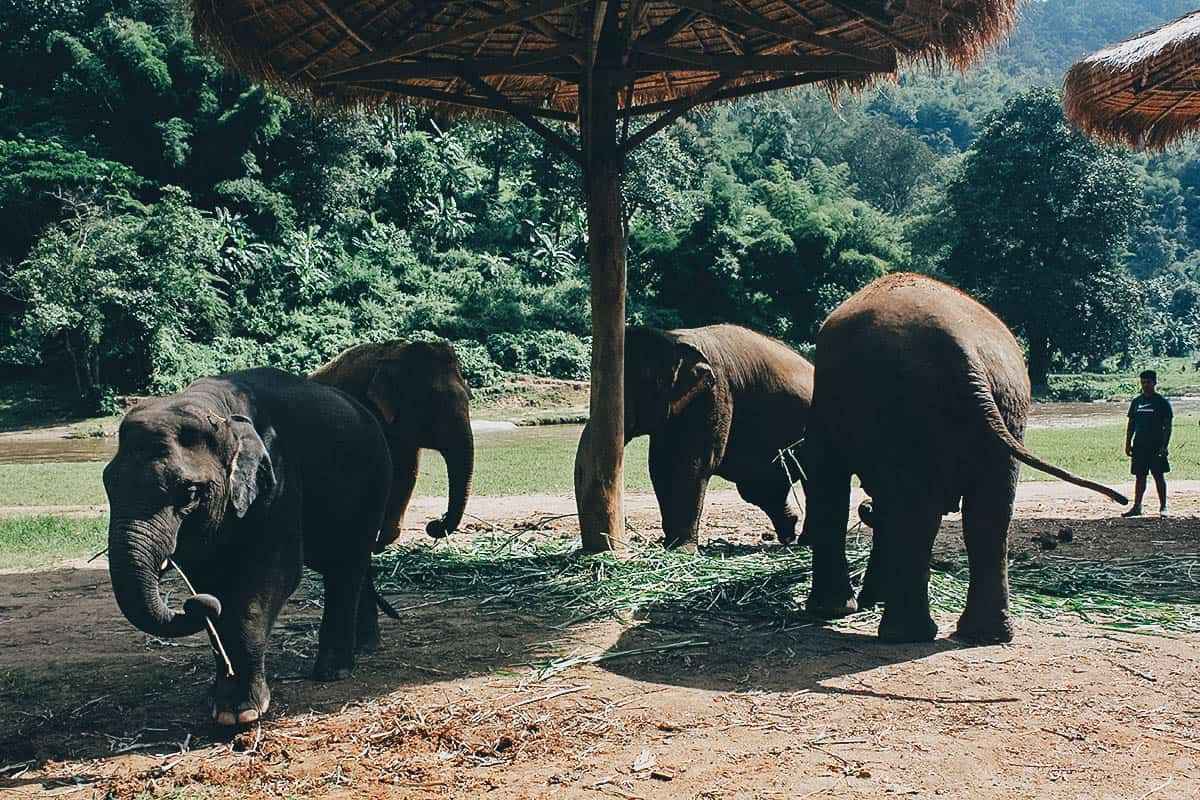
{"x":923,"y":393}
{"x":242,"y":480}
{"x":718,"y":400}
{"x":418,"y":392}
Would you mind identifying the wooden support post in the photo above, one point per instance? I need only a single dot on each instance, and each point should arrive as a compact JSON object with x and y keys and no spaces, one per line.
{"x":599,"y":480}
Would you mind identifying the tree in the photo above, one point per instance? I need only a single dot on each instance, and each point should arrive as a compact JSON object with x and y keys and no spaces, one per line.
{"x":109,"y":293}
{"x":1044,"y":217}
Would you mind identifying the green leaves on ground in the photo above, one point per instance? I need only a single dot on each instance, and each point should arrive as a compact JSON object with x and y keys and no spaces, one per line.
{"x":549,"y":577}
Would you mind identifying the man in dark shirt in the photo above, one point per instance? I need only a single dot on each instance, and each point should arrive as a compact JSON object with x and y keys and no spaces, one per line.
{"x":1146,"y":439}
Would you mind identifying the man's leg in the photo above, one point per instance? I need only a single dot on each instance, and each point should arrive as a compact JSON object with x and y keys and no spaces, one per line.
{"x":1139,"y":489}
{"x":1160,"y":483}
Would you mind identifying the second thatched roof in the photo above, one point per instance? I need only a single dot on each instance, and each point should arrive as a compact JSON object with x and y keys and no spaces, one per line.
{"x":1143,"y":92}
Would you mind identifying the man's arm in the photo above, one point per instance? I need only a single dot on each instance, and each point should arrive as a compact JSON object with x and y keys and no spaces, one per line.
{"x":1168,"y":418}
{"x":1129,"y":438}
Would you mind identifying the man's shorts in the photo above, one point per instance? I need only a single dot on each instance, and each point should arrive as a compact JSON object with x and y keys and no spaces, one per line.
{"x":1148,"y":460}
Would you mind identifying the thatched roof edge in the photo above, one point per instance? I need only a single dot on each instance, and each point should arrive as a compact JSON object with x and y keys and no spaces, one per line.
{"x":952,"y":41}
{"x":1092,"y":85}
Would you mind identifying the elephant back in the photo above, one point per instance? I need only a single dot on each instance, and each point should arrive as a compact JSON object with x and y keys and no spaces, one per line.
{"x":752,"y":362}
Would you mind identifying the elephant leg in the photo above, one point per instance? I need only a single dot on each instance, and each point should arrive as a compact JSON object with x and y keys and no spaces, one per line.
{"x":825,"y":521}
{"x":774,"y":496}
{"x":909,"y":522}
{"x":406,"y":461}
{"x":875,"y":579}
{"x":680,"y":483}
{"x":987,"y":512}
{"x":339,"y":624}
{"x":245,"y":697}
{"x":368,"y":617}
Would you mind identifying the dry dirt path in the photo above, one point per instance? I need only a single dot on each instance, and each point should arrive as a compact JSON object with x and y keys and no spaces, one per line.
{"x":451,"y":707}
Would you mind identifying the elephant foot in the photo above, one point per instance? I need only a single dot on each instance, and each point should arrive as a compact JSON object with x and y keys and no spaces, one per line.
{"x":788,"y":538}
{"x":831,"y":608}
{"x":386,"y":535}
{"x":681,"y":545}
{"x":229,"y":710}
{"x":915,"y":628}
{"x":867,"y":598}
{"x":976,"y":630}
{"x":332,"y":667}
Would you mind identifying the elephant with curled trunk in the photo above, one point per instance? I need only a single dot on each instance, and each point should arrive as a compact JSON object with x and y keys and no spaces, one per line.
{"x":923,"y":393}
{"x":241,"y":480}
{"x":718,"y":400}
{"x":418,"y":392}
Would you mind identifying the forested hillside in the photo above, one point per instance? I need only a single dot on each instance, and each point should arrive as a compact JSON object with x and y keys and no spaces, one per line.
{"x":163,"y":219}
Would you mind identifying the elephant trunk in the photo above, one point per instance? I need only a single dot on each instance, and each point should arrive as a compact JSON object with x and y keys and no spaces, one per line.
{"x":458,"y":450}
{"x":137,"y":549}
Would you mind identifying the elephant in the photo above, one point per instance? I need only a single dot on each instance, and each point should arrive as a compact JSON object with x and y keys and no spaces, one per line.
{"x":241,"y":480}
{"x":418,"y":393}
{"x":923,"y":393}
{"x":717,"y":400}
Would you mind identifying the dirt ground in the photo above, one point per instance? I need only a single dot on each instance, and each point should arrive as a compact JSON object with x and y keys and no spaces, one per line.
{"x":451,"y":708}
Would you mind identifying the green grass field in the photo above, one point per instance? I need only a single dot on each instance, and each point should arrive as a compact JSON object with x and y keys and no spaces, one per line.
{"x":519,"y":462}
{"x":1177,"y":376}
{"x":528,"y":462}
{"x":33,"y":541}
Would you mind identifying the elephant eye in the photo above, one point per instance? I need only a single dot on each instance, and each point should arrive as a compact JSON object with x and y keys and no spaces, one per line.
{"x":188,"y":493}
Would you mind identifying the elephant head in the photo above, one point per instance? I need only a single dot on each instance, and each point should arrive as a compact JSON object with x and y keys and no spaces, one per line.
{"x":179,"y":469}
{"x":418,"y":392}
{"x":663,"y":375}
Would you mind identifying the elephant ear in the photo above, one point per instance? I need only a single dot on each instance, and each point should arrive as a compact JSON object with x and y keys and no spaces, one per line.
{"x":392,"y":390}
{"x":693,"y":376}
{"x":381,"y":391}
{"x":250,"y":471}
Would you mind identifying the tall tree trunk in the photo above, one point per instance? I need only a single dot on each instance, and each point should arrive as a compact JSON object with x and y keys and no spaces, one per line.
{"x":1039,"y":359}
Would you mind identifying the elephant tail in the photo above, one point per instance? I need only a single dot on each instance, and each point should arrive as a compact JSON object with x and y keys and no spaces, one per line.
{"x":999,"y":428}
{"x":384,"y":605}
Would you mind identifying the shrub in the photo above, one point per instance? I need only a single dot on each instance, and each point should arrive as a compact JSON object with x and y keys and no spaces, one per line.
{"x":551,"y":354}
{"x":179,"y":361}
{"x":1073,"y":389}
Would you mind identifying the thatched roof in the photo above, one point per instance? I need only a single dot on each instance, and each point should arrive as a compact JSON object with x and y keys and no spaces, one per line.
{"x":527,"y":56}
{"x":1144,"y":91}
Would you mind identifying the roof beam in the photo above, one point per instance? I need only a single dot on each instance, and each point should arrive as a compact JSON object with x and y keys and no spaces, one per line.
{"x":861,"y":10}
{"x":341,"y":23}
{"x":453,"y":34}
{"x":533,"y":63}
{"x":301,"y":32}
{"x":876,"y":21}
{"x":677,"y":110}
{"x":663,"y":33}
{"x":421,"y":11}
{"x":883,"y":61}
{"x":750,"y":62}
{"x":520,"y":112}
{"x":426,"y":93}
{"x":785,"y":82}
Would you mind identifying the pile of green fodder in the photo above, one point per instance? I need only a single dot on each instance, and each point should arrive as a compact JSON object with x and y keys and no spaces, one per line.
{"x":547,"y":576}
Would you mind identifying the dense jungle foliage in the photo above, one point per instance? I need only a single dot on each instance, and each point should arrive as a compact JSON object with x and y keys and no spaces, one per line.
{"x":163,"y":219}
